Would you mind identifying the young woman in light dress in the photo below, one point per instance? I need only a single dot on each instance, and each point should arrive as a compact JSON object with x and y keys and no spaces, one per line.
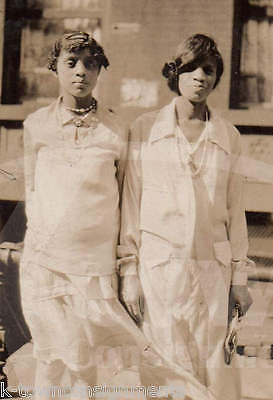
{"x":74,"y":161}
{"x":184,"y":236}
{"x":75,"y":153}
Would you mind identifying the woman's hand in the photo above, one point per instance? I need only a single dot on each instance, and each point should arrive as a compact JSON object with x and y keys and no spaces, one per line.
{"x":131,"y":296}
{"x":239,"y":294}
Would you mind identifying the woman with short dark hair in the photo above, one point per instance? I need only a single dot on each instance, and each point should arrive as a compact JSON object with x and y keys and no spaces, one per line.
{"x":75,"y":151}
{"x":188,"y":54}
{"x":183,"y":242}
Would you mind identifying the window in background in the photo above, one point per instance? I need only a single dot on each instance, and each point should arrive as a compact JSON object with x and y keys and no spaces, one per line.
{"x":252,"y":54}
{"x":30,"y":27}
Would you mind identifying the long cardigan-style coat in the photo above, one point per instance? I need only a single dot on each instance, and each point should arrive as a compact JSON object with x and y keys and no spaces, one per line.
{"x":183,"y":223}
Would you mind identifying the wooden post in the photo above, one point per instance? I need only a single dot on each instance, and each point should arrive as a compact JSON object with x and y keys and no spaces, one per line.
{"x":2,"y":26}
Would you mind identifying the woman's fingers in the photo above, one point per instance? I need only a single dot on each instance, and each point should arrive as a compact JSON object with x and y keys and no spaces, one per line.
{"x":240,"y":295}
{"x":131,"y":297}
{"x":135,"y":311}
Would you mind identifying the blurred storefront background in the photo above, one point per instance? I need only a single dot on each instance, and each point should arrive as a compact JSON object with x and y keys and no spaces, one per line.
{"x":139,"y":36}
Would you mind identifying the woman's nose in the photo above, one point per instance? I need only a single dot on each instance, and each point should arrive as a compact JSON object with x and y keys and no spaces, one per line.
{"x":80,"y":68}
{"x":199,"y":74}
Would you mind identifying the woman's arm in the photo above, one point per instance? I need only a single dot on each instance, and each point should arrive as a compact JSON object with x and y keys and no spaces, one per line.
{"x":29,"y":167}
{"x":237,"y":228}
{"x":236,"y":204}
{"x":130,"y":290}
{"x":122,"y":159}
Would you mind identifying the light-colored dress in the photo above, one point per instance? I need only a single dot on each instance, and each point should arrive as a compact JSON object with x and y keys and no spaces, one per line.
{"x":68,"y":272}
{"x":182,"y":224}
{"x":69,"y":290}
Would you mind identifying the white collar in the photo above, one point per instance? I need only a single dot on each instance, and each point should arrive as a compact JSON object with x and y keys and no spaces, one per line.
{"x":65,"y":116}
{"x":166,"y":123}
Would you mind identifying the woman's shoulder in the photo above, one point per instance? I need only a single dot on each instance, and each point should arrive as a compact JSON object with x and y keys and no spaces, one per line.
{"x":113,"y":121}
{"x":147,"y":117}
{"x":40,"y":116}
{"x":144,"y":122}
{"x":228,"y":131}
{"x":110,"y":117}
{"x":232,"y":130}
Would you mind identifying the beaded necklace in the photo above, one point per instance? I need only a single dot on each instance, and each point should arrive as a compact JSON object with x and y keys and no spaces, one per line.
{"x":78,"y":121}
{"x":93,"y":107}
{"x":74,"y":155}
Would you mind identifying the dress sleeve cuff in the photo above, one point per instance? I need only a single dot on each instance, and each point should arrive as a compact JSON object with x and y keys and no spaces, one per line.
{"x":128,"y":269}
{"x":239,"y":271}
{"x":127,"y":261}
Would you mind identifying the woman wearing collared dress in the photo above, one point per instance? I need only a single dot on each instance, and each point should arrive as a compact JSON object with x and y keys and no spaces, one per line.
{"x":183,"y":239}
{"x":74,"y":161}
{"x":75,"y":152}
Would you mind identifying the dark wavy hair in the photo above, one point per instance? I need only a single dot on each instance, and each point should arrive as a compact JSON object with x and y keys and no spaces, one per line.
{"x":189,"y":55}
{"x":73,"y":42}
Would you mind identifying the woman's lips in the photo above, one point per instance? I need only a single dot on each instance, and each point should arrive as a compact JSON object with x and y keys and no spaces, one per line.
{"x":80,"y":85}
{"x":199,"y":86}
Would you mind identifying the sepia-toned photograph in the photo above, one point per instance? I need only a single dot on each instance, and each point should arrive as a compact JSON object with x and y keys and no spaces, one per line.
{"x":136,"y":199}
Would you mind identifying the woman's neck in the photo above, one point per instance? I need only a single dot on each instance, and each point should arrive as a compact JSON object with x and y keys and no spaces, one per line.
{"x":191,"y":117}
{"x":77,"y":102}
{"x":190,"y":111}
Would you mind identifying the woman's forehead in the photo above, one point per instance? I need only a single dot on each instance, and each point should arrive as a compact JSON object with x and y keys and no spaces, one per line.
{"x":80,"y":52}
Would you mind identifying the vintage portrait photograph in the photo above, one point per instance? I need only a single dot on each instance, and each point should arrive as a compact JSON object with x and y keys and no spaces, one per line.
{"x":136,"y":199}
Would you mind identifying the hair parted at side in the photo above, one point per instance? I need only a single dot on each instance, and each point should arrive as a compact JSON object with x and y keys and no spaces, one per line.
{"x":190,"y":53}
{"x":73,"y":42}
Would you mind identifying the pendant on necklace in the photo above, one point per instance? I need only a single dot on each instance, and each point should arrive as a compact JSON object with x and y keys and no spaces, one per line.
{"x":76,"y":138}
{"x":78,"y":123}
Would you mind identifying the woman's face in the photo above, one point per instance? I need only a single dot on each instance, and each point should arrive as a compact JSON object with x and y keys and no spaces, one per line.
{"x":196,"y":84}
{"x":77,"y":73}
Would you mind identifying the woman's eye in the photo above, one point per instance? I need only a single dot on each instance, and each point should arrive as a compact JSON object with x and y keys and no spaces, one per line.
{"x":91,"y":64}
{"x":208,"y":70}
{"x":70,"y":63}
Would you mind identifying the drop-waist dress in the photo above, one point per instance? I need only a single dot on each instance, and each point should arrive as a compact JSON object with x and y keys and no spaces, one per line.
{"x":73,"y":173}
